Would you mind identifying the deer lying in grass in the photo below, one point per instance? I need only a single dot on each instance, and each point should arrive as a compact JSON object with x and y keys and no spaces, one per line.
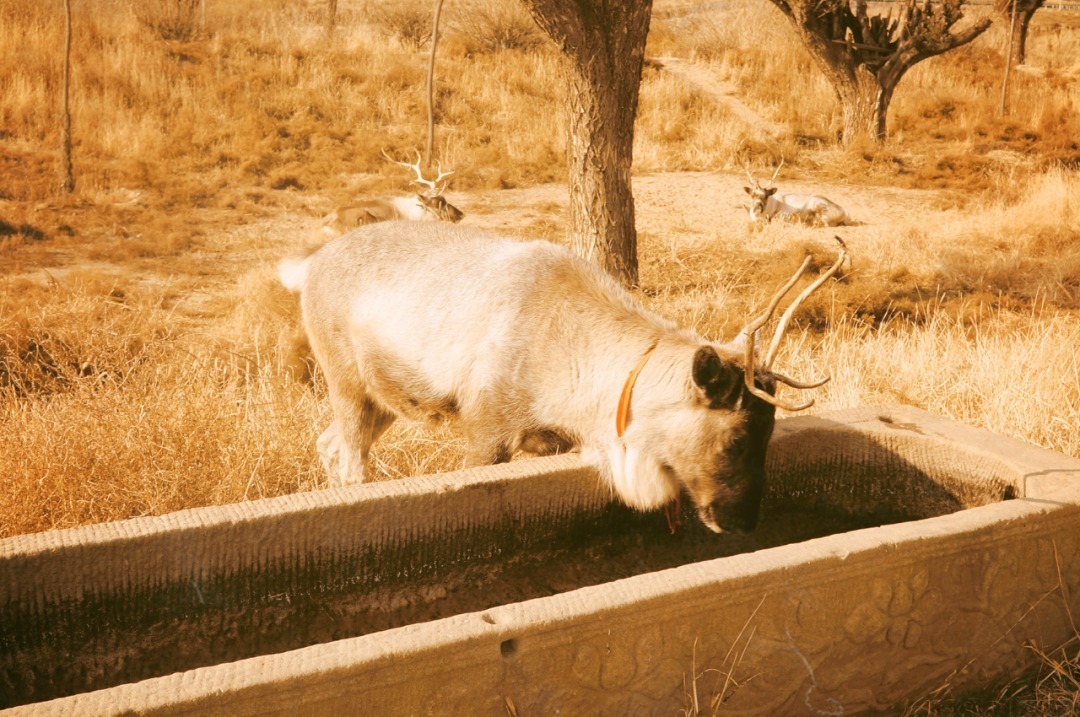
{"x":810,"y":208}
{"x":526,"y":346}
{"x":426,"y":205}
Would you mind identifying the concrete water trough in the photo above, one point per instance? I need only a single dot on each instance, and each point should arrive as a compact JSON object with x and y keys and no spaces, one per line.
{"x":898,"y":551}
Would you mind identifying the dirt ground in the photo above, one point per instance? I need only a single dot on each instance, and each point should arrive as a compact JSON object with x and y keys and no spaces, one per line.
{"x":685,"y":205}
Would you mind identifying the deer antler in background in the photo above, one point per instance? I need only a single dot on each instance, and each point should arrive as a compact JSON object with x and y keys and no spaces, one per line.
{"x":435,"y":186}
{"x":773,"y":178}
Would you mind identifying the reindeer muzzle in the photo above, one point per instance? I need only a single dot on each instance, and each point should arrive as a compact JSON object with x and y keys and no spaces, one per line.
{"x":720,"y":518}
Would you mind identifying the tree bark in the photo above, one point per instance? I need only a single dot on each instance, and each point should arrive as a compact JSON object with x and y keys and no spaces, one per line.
{"x":1020,"y":34}
{"x":331,"y":17}
{"x":67,"y":177}
{"x":1025,"y":10}
{"x":600,"y":144}
{"x":603,"y":47}
{"x":863,"y":102}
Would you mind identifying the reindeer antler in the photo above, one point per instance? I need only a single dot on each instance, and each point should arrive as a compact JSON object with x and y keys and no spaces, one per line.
{"x":746,"y":166}
{"x":773,"y":178}
{"x":434,"y":189}
{"x":756,"y":324}
{"x":433,"y":184}
{"x":414,"y":166}
{"x":753,"y":181}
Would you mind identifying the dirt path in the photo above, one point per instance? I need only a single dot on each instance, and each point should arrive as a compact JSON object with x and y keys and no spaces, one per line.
{"x":684,"y":208}
{"x":722,"y":93}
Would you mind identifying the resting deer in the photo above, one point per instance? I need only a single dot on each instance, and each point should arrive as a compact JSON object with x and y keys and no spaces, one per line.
{"x":527,"y":346}
{"x":426,"y":205}
{"x":810,"y":208}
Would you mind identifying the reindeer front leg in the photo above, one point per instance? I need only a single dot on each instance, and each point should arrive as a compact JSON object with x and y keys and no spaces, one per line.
{"x":485,"y":449}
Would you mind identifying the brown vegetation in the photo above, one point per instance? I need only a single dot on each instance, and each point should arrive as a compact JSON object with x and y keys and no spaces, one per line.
{"x":149,"y":362}
{"x":159,"y":269}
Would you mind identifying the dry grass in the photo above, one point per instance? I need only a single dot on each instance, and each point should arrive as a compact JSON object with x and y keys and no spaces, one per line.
{"x":708,"y":690}
{"x":1010,"y":373}
{"x":1052,"y":690}
{"x":148,"y":361}
{"x":199,"y":121}
{"x":116,"y":411}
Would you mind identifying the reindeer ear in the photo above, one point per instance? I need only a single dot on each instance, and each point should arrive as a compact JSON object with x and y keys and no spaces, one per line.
{"x":738,"y":344}
{"x":715,"y":376}
{"x":748,"y":190}
{"x":770,"y":191}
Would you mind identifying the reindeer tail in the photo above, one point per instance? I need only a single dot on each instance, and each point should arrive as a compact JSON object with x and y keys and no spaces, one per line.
{"x":293,"y":272}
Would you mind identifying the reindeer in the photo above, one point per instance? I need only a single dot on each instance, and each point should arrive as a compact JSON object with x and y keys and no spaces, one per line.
{"x":811,"y":208}
{"x":426,"y":205}
{"x":526,"y":346}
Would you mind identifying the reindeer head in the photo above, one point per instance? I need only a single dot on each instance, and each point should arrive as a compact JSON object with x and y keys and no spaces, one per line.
{"x":758,"y":401}
{"x":443,"y":210}
{"x":431,"y":198}
{"x":759,"y":195}
{"x":713,"y":445}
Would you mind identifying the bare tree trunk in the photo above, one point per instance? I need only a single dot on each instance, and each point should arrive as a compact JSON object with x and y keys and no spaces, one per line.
{"x":864,"y":104}
{"x":430,"y":147}
{"x":1024,"y":11}
{"x":600,"y":147}
{"x":331,"y":17}
{"x":1009,"y":54}
{"x":603,"y":46}
{"x":1019,"y":45}
{"x":67,"y":177}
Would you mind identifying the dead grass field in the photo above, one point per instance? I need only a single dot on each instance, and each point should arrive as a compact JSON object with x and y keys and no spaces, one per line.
{"x":149,"y":362}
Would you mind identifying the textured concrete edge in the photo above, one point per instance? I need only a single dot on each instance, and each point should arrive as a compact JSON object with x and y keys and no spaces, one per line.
{"x":285,"y":682}
{"x":198,"y":518}
{"x":1040,"y":471}
{"x":98,"y":558}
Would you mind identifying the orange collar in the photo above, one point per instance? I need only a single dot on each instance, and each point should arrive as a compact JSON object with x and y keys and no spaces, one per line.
{"x":622,"y":415}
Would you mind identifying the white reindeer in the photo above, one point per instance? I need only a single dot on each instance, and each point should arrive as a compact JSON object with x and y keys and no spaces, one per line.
{"x":526,"y":346}
{"x":810,"y":208}
{"x":425,"y":205}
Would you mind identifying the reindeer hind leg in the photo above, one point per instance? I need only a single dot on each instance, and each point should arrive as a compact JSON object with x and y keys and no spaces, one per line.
{"x":345,"y":446}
